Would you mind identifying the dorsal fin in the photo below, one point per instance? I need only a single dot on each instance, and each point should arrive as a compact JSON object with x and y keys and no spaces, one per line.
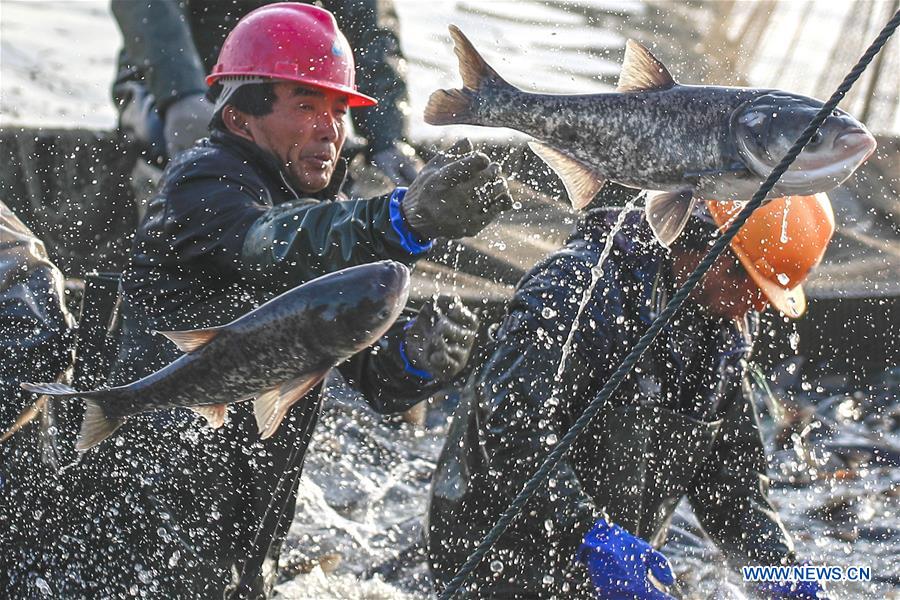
{"x":193,"y":340}
{"x":581,"y":183}
{"x":641,"y":71}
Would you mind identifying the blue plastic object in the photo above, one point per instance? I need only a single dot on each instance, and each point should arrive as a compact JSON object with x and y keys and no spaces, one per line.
{"x":619,"y":564}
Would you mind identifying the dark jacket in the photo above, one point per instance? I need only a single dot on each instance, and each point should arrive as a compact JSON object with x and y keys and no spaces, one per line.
{"x":171,"y":45}
{"x":36,"y":341}
{"x":182,"y":507}
{"x":680,"y":425}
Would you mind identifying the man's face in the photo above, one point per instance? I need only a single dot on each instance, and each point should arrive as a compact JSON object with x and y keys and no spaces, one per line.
{"x":726,"y":291}
{"x":305,"y":132}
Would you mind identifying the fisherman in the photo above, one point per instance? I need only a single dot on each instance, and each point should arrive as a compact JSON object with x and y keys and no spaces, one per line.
{"x":681,"y":425}
{"x":170,"y":46}
{"x":252,"y":211}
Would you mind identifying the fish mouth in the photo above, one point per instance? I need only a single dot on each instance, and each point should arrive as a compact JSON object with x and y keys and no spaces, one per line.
{"x":856,"y":141}
{"x":395,"y":279}
{"x":850,"y":149}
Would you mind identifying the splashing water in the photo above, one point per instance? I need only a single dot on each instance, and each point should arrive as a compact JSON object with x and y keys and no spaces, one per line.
{"x":784,"y":222}
{"x":596,"y":274}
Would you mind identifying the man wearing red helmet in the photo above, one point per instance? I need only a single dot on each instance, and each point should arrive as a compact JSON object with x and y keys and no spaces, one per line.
{"x":169,"y":46}
{"x":244,"y":215}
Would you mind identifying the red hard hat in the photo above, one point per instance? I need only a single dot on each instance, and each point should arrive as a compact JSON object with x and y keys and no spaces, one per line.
{"x":290,"y":42}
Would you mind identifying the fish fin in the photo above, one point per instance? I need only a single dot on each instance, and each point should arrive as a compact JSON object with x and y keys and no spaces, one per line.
{"x":581,"y":183}
{"x":272,"y":406}
{"x":447,"y":107}
{"x":95,"y":426}
{"x":51,"y":389}
{"x":473,"y":69}
{"x":668,"y":213}
{"x":213,"y":413}
{"x":25,"y":417}
{"x":191,"y":341}
{"x":641,"y":71}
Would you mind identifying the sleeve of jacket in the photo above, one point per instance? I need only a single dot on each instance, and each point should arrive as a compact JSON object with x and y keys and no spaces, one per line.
{"x":225,"y":223}
{"x":157,"y":40}
{"x":371,"y":29}
{"x":730,"y":494}
{"x":525,"y":409}
{"x":379,"y":374}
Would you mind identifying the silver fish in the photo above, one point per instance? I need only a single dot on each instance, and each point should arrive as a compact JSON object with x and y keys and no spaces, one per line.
{"x":681,"y":143}
{"x":276,"y":354}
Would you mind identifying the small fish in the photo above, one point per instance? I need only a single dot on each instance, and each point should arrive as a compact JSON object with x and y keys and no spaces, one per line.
{"x":276,"y":354}
{"x":681,"y":143}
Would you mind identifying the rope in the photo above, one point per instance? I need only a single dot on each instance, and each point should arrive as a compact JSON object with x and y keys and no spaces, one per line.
{"x":664,"y":317}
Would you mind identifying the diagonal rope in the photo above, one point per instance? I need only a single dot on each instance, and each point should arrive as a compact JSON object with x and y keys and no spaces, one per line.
{"x":665,"y":316}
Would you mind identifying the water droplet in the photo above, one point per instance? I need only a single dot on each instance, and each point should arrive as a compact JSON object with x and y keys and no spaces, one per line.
{"x":548,"y":313}
{"x":517,"y":205}
{"x":794,"y":340}
{"x":547,"y":580}
{"x":783,"y":279}
{"x":496,"y":566}
{"x":43,"y":586}
{"x":551,"y":439}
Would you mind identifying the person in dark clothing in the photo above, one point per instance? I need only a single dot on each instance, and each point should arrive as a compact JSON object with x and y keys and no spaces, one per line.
{"x":681,"y":424}
{"x":251,"y":212}
{"x":171,"y":45}
{"x":36,"y":342}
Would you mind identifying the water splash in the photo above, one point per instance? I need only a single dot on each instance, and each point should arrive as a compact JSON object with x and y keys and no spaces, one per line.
{"x":596,"y":274}
{"x":784,"y":221}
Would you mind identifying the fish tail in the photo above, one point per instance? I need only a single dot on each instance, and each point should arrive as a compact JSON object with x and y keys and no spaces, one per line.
{"x":446,"y":107}
{"x":96,"y":426}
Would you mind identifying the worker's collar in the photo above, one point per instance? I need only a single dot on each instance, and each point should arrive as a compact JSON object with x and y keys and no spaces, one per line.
{"x":272,"y":168}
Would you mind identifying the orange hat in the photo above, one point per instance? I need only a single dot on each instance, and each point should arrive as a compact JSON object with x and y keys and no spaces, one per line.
{"x":780,"y":244}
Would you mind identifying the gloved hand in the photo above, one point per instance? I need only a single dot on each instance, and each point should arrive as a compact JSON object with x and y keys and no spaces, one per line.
{"x":440,"y":338}
{"x":186,"y":121}
{"x":620,"y":563}
{"x":399,"y":163}
{"x":792,"y":590}
{"x":456,"y":195}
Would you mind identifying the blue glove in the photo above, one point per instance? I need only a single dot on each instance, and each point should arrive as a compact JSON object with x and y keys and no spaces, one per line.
{"x":619,"y":564}
{"x":792,"y":590}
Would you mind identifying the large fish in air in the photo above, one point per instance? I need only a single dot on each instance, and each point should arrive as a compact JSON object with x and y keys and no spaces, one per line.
{"x":681,"y":143}
{"x":276,"y":353}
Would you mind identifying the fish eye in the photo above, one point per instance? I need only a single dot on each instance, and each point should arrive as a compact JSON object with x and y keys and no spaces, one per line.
{"x":835,"y":113}
{"x":816,"y":138}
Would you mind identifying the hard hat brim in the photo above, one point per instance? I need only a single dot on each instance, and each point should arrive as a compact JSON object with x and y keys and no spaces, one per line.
{"x":354,"y":98}
{"x":791,"y":301}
